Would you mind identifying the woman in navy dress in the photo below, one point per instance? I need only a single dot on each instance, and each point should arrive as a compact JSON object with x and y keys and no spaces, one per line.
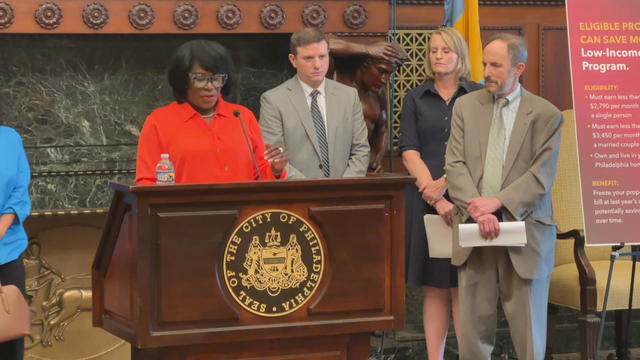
{"x":424,"y":131}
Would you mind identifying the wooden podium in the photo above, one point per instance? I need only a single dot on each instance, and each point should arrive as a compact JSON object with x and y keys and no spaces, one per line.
{"x":262,"y":270}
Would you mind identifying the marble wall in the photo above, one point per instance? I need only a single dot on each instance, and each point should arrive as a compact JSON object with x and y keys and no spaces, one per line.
{"x":79,"y":102}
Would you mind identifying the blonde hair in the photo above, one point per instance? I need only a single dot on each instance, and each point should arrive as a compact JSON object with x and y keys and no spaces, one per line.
{"x":456,"y":43}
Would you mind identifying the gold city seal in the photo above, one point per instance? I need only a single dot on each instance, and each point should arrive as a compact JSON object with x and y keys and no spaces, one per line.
{"x":273,"y":263}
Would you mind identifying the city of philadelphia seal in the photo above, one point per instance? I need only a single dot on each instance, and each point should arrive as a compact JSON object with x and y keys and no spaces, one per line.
{"x":273,"y":263}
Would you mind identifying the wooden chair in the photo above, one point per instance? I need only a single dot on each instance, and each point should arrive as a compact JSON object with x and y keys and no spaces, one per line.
{"x":580,"y":274}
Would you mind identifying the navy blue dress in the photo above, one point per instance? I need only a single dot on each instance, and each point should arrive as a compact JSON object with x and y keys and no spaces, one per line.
{"x":424,"y":127}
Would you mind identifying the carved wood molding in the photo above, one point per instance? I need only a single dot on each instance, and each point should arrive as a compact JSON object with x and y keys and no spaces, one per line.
{"x":48,"y":15}
{"x":519,"y":29}
{"x":186,"y":16}
{"x":314,"y":15}
{"x":93,"y":211}
{"x":197,"y":16}
{"x":82,"y":172}
{"x":426,"y":27}
{"x":272,"y":16}
{"x":355,"y":16}
{"x":142,"y":16}
{"x":360,"y":34}
{"x":7,"y":15}
{"x":95,"y":15}
{"x":229,"y":16}
{"x":489,"y":2}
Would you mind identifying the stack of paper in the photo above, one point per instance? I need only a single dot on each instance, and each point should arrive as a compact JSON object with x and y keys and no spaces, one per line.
{"x":512,"y":233}
{"x":438,"y":236}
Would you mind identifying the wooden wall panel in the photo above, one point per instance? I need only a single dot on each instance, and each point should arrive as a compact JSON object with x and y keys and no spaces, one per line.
{"x":555,"y":77}
{"x":159,"y":16}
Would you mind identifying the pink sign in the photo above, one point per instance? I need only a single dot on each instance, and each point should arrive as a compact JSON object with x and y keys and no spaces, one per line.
{"x":604,"y":46}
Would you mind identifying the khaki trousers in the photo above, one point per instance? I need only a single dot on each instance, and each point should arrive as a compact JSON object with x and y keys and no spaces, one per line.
{"x":487,"y":275}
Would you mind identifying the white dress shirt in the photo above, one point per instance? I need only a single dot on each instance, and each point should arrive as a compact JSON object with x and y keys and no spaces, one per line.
{"x":322,"y":99}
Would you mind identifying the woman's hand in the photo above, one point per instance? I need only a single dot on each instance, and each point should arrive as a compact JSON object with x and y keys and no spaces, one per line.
{"x":434,"y":190}
{"x":278,"y":157}
{"x":6,"y":220}
{"x":445,"y":209}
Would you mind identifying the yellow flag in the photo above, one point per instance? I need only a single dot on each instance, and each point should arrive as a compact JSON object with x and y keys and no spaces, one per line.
{"x":463,"y":16}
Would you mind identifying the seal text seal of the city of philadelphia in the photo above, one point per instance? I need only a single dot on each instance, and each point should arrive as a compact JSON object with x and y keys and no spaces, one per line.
{"x":273,"y":263}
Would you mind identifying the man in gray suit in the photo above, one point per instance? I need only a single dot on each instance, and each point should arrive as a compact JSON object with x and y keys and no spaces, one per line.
{"x":501,"y":163}
{"x":318,"y":120}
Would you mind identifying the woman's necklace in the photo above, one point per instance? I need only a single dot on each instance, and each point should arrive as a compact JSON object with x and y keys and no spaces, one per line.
{"x":446,"y":98}
{"x":451,"y":87}
{"x":209,"y":114}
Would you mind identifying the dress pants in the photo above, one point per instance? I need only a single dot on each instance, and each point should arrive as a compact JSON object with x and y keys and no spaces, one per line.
{"x":486,"y":276}
{"x":12,"y":273}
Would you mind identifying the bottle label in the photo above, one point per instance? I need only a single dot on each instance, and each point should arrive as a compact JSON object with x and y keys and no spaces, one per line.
{"x":165,"y":177}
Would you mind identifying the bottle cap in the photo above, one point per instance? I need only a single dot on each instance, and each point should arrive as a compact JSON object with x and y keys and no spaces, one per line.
{"x":164,"y":156}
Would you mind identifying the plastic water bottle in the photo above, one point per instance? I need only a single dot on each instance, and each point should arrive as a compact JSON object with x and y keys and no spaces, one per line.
{"x":165,"y":172}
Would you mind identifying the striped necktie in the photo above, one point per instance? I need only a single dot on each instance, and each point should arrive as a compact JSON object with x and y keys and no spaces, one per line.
{"x":494,"y":161}
{"x":321,"y":133}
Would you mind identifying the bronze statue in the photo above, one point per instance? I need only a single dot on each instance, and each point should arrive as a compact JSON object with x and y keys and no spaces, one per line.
{"x":367,"y":67}
{"x":38,"y":273}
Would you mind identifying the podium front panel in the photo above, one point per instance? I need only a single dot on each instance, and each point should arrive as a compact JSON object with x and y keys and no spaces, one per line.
{"x":274,"y":260}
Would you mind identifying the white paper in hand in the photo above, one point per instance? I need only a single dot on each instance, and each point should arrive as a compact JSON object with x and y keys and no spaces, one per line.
{"x":438,"y":236}
{"x":512,"y":233}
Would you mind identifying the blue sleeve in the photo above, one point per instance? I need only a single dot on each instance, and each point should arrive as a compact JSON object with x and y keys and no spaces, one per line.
{"x":18,"y":201}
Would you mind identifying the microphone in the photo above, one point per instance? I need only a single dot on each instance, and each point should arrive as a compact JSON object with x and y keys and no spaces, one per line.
{"x":236,"y":113}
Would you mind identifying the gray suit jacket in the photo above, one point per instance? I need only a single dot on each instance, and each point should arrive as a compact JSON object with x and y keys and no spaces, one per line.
{"x":529,"y":172}
{"x":285,"y":118}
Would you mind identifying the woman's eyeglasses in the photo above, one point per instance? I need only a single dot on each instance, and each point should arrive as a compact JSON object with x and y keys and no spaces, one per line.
{"x":200,"y":80}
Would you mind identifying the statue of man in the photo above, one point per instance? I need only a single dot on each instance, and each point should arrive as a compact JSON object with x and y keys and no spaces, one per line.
{"x":367,"y":67}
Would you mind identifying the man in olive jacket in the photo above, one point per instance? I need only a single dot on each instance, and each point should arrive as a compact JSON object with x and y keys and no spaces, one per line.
{"x":524,"y":141}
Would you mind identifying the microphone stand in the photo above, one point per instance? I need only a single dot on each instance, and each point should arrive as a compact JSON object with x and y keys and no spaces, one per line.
{"x":236,"y":113}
